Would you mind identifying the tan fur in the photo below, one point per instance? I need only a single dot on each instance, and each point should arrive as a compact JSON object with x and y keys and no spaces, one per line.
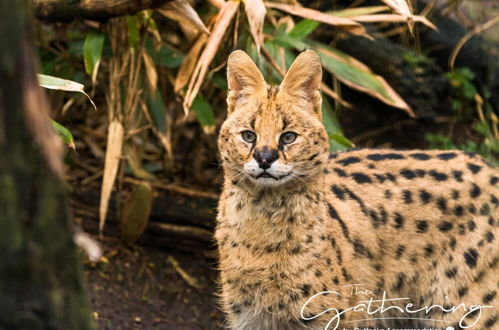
{"x":405,"y":222}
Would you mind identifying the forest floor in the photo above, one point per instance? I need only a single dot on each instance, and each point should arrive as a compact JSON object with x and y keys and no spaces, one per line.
{"x":140,"y":288}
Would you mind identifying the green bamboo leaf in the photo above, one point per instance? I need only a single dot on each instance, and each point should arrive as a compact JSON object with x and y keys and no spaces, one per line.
{"x":303,"y":28}
{"x":157,"y":109}
{"x":51,"y":82}
{"x":133,"y":31}
{"x":337,"y":141}
{"x":63,"y":133}
{"x":92,"y":52}
{"x":204,"y":114}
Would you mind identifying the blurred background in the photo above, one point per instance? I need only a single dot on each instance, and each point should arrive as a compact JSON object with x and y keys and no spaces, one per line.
{"x":137,"y":92}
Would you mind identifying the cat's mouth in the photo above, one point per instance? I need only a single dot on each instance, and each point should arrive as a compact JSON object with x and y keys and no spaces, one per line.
{"x":266,"y":175}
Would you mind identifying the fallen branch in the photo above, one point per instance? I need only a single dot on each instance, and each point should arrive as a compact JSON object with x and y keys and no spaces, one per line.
{"x":63,"y":10}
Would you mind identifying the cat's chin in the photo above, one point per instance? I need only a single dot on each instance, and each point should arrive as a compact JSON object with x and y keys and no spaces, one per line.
{"x":271,"y":181}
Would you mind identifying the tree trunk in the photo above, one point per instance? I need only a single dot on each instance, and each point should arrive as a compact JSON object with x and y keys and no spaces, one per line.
{"x":40,"y":278}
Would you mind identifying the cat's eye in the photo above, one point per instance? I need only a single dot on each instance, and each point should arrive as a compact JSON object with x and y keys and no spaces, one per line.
{"x":248,"y":136}
{"x":288,"y":137}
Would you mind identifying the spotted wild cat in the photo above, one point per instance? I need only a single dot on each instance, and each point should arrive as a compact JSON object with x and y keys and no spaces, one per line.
{"x":353,"y":228}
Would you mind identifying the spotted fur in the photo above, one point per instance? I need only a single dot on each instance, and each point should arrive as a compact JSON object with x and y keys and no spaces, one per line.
{"x":418,"y":224}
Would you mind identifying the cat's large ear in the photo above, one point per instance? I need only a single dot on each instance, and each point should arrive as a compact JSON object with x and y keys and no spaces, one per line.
{"x":243,"y":79}
{"x":303,"y":81}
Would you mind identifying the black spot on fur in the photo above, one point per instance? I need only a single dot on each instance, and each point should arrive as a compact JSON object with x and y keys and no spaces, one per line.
{"x":313,"y":156}
{"x":361,"y":178}
{"x":338,"y":192}
{"x":485,"y":209}
{"x":381,"y":178}
{"x":424,"y":196}
{"x":399,"y":221}
{"x":400,"y":282}
{"x":421,"y":226}
{"x":462,"y":291}
{"x":400,"y":251}
{"x":489,"y":237}
{"x":491,"y":322}
{"x":420,"y":156}
{"x":445,"y":226}
{"x":493,"y":180}
{"x":458,"y":210}
{"x":360,"y":249}
{"x":340,"y":172}
{"x":472,"y":209}
{"x":475,"y":191}
{"x":494,"y":200}
{"x":471,"y":225}
{"x":452,"y":243}
{"x":438,"y":176}
{"x":346,"y":276}
{"x":489,"y":297}
{"x":429,"y":250}
{"x":388,"y":194}
{"x":407,"y":196}
{"x":447,"y":155}
{"x":334,"y":215}
{"x":332,"y":156}
{"x":471,"y":257}
{"x":381,"y":157}
{"x":451,"y":273}
{"x":458,"y":175}
{"x":408,"y":174}
{"x":442,"y":204}
{"x":348,"y":161}
{"x":474,"y":168}
{"x":462,"y":229}
{"x":305,"y":290}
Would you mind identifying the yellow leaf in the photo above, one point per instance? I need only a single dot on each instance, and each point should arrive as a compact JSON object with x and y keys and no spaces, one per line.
{"x":402,"y":8}
{"x":375,"y":18}
{"x":152,"y":74}
{"x":115,"y":137}
{"x":255,"y":11}
{"x":189,"y":62}
{"x":182,"y":12}
{"x":222,"y":22}
{"x":345,"y":23}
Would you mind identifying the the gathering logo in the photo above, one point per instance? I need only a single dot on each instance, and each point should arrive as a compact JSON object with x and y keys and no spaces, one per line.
{"x":378,"y":308}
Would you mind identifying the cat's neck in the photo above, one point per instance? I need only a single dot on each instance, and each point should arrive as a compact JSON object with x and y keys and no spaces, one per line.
{"x":274,"y":214}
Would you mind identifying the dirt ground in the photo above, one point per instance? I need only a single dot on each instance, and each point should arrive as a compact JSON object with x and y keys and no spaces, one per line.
{"x":140,"y":288}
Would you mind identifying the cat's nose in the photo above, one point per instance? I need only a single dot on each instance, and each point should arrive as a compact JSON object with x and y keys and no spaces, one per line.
{"x":265,"y":157}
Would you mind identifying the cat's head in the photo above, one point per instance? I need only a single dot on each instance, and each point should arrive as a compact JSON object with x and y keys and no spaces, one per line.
{"x":273,"y":134}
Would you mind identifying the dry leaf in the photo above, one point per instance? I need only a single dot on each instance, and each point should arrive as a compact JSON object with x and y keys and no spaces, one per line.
{"x":115,"y":138}
{"x":222,"y":22}
{"x":152,"y":74}
{"x":189,"y":62}
{"x":394,"y":99}
{"x":255,"y":11}
{"x":376,"y":18}
{"x":402,"y":8}
{"x":345,"y":23}
{"x":182,"y":12}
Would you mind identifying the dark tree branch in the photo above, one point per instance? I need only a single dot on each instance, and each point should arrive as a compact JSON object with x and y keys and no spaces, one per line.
{"x":68,"y":10}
